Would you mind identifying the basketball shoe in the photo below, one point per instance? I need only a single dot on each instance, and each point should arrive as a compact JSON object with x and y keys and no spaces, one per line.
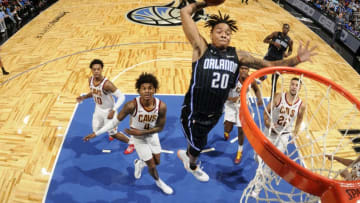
{"x":198,"y":172}
{"x":130,"y":149}
{"x":139,"y":166}
{"x":165,"y":188}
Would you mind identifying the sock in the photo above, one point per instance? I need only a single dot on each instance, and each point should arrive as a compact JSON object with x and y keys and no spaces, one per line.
{"x":158,"y":181}
{"x":240,"y":148}
{"x":192,"y":166}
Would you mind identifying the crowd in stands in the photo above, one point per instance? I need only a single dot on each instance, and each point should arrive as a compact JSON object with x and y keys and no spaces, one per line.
{"x":344,"y":12}
{"x":16,"y":13}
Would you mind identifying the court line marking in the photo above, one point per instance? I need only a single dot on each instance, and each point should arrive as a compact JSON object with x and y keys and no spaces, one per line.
{"x":113,"y":80}
{"x":208,"y":150}
{"x":86,"y":51}
{"x":167,"y":151}
{"x":98,"y":48}
{"x":58,"y":154}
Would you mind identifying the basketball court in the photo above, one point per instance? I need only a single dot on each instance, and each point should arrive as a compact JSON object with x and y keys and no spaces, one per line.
{"x":99,"y":171}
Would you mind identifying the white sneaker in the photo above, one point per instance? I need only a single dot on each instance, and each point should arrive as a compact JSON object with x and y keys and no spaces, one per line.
{"x":139,"y":166}
{"x":198,"y":172}
{"x":165,"y":188}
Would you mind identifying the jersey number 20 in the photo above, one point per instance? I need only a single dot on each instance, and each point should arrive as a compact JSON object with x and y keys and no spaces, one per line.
{"x":220,"y":80}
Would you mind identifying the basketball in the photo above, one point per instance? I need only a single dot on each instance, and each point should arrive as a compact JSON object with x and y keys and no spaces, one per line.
{"x":214,"y":2}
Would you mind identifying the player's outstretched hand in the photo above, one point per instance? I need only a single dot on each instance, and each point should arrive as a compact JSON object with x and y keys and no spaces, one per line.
{"x":328,"y":156}
{"x":89,"y":137}
{"x":305,"y":53}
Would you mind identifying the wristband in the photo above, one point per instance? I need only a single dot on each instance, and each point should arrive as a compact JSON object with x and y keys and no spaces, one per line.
{"x":298,"y":58}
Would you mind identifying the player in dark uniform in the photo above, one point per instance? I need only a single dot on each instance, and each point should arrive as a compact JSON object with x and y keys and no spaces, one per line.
{"x":215,"y":70}
{"x":278,"y":42}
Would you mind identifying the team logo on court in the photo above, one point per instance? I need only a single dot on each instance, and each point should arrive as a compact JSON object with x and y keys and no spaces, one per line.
{"x":167,"y":15}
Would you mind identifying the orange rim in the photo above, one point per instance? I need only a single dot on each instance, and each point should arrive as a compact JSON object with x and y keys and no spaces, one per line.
{"x":328,"y":189}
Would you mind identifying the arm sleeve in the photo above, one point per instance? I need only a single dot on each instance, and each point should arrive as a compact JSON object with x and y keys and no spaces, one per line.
{"x":110,"y":125}
{"x":120,"y":98}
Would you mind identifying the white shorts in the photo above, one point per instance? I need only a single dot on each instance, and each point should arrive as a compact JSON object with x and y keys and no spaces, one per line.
{"x":280,"y":141}
{"x":232,"y":113}
{"x":100,"y":119}
{"x":147,"y":145}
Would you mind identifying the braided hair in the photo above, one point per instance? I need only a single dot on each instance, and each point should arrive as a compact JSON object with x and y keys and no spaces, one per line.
{"x":217,"y":19}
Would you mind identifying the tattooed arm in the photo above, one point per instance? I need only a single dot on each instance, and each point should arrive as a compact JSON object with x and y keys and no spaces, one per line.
{"x":304,"y":54}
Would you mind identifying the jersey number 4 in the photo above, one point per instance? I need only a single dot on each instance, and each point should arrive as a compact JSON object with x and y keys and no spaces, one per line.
{"x":220,"y":80}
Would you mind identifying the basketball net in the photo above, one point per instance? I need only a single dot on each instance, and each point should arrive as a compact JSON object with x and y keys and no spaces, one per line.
{"x":301,"y":172}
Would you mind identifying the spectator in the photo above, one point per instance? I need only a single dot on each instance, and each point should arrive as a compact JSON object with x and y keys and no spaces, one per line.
{"x":2,"y":21}
{"x":340,"y":22}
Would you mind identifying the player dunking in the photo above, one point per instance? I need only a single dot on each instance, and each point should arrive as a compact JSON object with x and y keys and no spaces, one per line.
{"x":101,"y":90}
{"x":286,"y":109}
{"x":215,"y":70}
{"x":148,"y":116}
{"x":232,"y":107}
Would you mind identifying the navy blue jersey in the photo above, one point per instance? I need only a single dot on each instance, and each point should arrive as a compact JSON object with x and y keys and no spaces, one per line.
{"x":273,"y":52}
{"x":213,"y":75}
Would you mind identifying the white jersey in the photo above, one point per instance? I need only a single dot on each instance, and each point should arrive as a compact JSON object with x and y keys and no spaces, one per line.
{"x":284,"y":114}
{"x":103,"y":100}
{"x":143,"y":119}
{"x":235,"y":92}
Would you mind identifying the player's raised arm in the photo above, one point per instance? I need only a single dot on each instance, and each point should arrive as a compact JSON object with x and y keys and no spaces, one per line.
{"x":346,"y":162}
{"x":190,"y":29}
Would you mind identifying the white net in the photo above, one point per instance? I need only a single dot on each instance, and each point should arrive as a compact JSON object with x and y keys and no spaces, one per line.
{"x":327,"y":130}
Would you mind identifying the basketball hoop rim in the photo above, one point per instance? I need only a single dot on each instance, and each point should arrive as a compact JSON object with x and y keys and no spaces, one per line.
{"x":263,"y":146}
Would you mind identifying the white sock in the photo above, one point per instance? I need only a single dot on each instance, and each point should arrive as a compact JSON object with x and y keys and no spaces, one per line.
{"x":159,"y":181}
{"x":240,"y":148}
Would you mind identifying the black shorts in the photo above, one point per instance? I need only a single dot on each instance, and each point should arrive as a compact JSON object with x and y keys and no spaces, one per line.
{"x":196,"y":128}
